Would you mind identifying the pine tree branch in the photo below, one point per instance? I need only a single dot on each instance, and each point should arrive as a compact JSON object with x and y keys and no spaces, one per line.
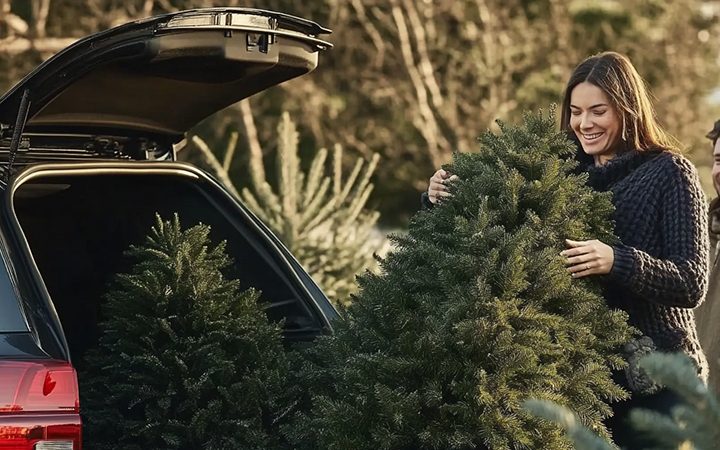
{"x":311,"y":210}
{"x":148,"y":7}
{"x":257,"y":169}
{"x":323,"y":214}
{"x":253,"y":204}
{"x":314,"y":177}
{"x":215,"y":165}
{"x":230,"y":151}
{"x":369,"y":171}
{"x":340,"y":199}
{"x":337,"y":169}
{"x":357,"y":205}
{"x":288,"y":168}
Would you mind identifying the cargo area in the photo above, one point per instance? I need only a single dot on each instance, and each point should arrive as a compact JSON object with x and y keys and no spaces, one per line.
{"x":78,"y":225}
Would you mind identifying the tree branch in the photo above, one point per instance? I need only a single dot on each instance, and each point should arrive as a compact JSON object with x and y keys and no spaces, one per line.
{"x":425,"y":123}
{"x":215,"y":165}
{"x":257,"y":169}
{"x":371,"y":31}
{"x":230,"y":151}
{"x":41,"y":9}
{"x":16,"y":45}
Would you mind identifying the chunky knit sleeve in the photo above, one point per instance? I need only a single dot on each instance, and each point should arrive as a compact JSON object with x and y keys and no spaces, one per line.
{"x":425,"y":202}
{"x":679,"y":278}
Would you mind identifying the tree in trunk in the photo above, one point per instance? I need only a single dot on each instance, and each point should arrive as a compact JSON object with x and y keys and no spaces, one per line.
{"x":186,"y":360}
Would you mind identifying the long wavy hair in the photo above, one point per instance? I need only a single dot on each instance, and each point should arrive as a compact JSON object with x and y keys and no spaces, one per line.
{"x":617,"y":77}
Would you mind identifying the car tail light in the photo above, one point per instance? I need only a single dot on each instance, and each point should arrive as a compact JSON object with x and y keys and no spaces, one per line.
{"x":39,"y":406}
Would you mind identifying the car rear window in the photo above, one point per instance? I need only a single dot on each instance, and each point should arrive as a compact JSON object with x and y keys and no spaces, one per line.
{"x":11,"y":316}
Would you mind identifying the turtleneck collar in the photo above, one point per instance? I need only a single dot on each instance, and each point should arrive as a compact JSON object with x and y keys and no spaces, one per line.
{"x":604,"y":177}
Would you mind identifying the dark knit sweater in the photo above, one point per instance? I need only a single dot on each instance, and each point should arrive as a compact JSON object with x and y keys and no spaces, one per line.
{"x":660,"y":269}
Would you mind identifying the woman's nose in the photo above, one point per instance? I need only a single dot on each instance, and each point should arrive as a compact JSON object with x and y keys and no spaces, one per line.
{"x":585,"y":122}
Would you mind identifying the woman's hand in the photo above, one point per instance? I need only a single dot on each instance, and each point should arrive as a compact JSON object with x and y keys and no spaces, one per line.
{"x":437,"y":188}
{"x":585,"y":258}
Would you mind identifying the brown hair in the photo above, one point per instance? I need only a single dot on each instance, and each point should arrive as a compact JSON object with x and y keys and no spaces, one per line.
{"x":714,"y":134}
{"x":618,"y":78}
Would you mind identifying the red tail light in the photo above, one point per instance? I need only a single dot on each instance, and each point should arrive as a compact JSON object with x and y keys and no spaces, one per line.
{"x":39,"y":406}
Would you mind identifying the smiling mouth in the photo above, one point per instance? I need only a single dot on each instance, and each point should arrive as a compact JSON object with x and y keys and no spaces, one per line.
{"x":592,"y":137}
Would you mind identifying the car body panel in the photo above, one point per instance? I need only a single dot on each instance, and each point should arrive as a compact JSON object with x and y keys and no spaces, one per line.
{"x":116,"y":103}
{"x":165,"y":74}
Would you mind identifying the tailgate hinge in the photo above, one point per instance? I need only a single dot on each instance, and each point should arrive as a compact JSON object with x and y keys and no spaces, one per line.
{"x":17,"y":131}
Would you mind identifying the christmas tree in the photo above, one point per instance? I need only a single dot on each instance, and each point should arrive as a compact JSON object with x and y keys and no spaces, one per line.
{"x":186,"y":360}
{"x":693,"y":425}
{"x":580,"y":435}
{"x":320,"y":214}
{"x":474,"y":313}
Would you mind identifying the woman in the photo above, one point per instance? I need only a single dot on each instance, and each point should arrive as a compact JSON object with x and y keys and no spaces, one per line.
{"x":659,"y":271}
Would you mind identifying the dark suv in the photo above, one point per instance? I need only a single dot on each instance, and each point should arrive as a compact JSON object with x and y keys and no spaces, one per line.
{"x":87,"y":148}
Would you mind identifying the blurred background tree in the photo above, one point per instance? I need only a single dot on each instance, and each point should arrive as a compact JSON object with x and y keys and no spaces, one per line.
{"x":414,"y":80}
{"x":694,"y":424}
{"x":319,"y":214}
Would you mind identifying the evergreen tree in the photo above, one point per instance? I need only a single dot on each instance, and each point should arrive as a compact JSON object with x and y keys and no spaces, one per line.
{"x":580,"y":435}
{"x":319,"y":214}
{"x":693,"y":425}
{"x":473,"y":314}
{"x":186,"y":360}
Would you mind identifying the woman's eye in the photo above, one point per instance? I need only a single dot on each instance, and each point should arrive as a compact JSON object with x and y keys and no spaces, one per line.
{"x":575,"y":113}
{"x":599,"y":113}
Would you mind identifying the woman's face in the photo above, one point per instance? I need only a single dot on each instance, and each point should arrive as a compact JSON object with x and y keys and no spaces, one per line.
{"x":595,"y":121}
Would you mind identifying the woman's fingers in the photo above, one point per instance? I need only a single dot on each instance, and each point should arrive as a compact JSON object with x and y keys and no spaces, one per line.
{"x":437,"y":188}
{"x":437,"y":185}
{"x":591,"y":257}
{"x":584,"y":272}
{"x":436,"y":191}
{"x":576,"y":268}
{"x":584,"y":258}
{"x":437,"y":195}
{"x":570,"y":252}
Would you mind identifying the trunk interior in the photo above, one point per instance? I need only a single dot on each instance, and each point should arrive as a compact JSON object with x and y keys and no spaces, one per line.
{"x":78,"y":226}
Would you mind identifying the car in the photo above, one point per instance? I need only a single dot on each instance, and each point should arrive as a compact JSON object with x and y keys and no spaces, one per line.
{"x":88,"y":145}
